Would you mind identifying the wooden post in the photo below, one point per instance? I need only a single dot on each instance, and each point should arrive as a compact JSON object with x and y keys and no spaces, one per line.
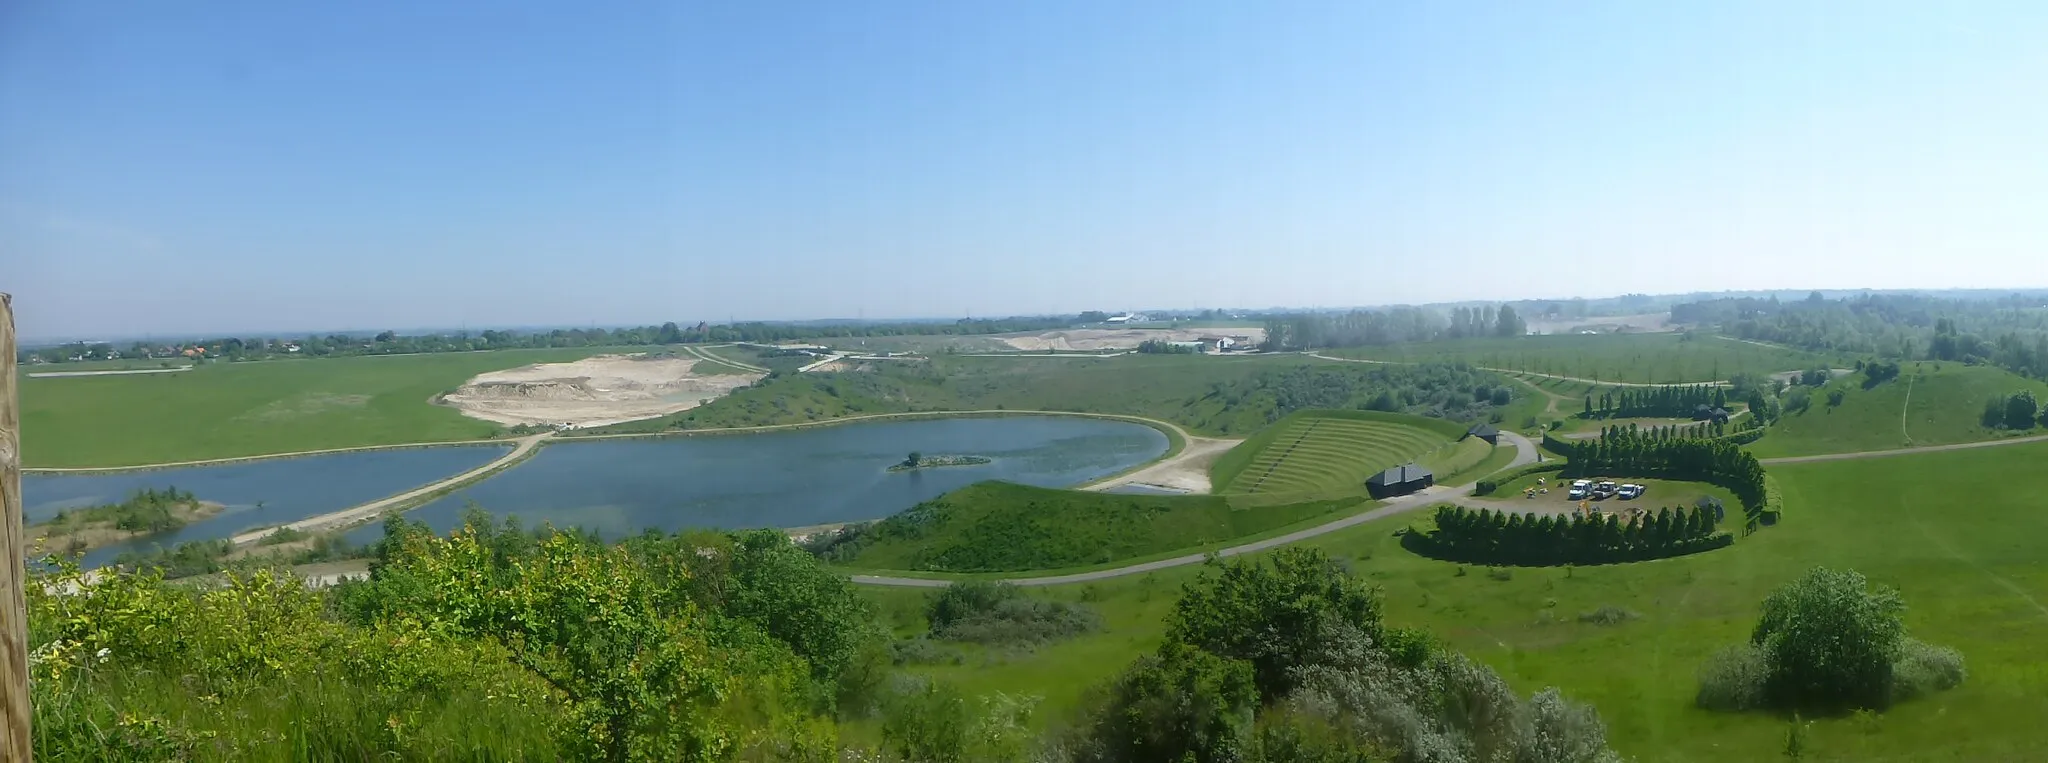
{"x":14,"y":707}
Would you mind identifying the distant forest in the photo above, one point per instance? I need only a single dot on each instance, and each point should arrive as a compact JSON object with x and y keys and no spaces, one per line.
{"x":1396,"y":325}
{"x":2009,"y":331}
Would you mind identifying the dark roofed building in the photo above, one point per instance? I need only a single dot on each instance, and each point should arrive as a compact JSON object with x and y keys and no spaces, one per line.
{"x":1400,"y":480}
{"x":1484,"y":431}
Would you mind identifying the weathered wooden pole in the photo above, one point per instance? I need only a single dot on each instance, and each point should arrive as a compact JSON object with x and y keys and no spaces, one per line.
{"x":14,"y":708}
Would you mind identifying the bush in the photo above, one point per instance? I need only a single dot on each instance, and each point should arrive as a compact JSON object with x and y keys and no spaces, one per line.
{"x":1000,"y":613}
{"x":1924,"y":669}
{"x":1608,"y":615}
{"x":1733,"y":679}
{"x":1829,"y":640}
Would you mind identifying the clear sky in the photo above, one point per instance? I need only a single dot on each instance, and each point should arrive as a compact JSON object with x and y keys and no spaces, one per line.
{"x":241,"y":166}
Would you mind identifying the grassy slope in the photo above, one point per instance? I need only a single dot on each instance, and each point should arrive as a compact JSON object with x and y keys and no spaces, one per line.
{"x":1945,"y":408}
{"x":1350,"y":440}
{"x":242,"y":409}
{"x":1638,"y":358}
{"x":999,"y":526}
{"x":1970,"y":571}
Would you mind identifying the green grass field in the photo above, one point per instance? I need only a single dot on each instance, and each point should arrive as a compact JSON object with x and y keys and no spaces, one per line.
{"x":123,"y":364}
{"x":221,"y":410}
{"x":1958,"y":533}
{"x":1312,"y":453}
{"x":1945,"y":406}
{"x":1001,"y":526}
{"x":1634,"y":358}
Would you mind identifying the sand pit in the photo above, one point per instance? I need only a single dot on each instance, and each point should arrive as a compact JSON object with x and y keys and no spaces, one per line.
{"x":606,"y":389}
{"x":1123,"y":339}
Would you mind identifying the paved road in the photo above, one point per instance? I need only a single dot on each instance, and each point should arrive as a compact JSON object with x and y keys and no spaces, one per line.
{"x":1902,"y":451}
{"x":1525,"y":453}
{"x":373,"y":508}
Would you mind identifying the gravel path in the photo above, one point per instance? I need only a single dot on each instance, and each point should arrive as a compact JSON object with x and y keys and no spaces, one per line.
{"x":373,"y":508}
{"x":1903,"y":451}
{"x":1525,"y":453}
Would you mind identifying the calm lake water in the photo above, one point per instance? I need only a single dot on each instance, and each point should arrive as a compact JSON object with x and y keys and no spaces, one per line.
{"x":287,"y":489}
{"x":791,"y":478}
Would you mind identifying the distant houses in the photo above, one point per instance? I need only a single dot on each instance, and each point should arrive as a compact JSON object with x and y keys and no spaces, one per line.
{"x":1400,"y":480}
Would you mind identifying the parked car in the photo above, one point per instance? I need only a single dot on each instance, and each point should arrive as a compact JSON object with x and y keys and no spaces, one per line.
{"x":1579,"y":489}
{"x":1630,"y":490}
{"x":1605,"y":490}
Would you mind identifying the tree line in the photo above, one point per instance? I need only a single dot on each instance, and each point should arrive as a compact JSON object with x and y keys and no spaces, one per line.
{"x":1489,"y":537}
{"x":1397,"y":325}
{"x":1158,"y":347}
{"x":1673,"y":401}
{"x":2009,"y":330}
{"x":393,"y":343}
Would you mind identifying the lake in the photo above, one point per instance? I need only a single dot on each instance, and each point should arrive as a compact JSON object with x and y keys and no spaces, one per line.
{"x":256,"y":493}
{"x":788,"y":478}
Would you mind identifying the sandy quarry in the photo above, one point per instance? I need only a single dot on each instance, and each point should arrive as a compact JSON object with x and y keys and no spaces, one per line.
{"x":1119,"y":339}
{"x":605,"y":389}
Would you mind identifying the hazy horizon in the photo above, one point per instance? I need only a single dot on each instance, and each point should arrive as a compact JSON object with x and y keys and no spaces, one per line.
{"x":186,"y":170}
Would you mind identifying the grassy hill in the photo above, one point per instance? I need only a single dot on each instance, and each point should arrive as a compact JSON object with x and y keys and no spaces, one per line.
{"x":1220,"y":396}
{"x":1005,"y":527}
{"x":1970,"y":570}
{"x":1328,"y":452}
{"x":1636,"y":358}
{"x":221,"y":410}
{"x":1928,"y":404}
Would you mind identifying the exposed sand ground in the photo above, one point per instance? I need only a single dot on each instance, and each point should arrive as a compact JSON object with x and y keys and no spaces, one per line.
{"x":606,"y":389}
{"x":1119,"y":339}
{"x":1187,"y":470}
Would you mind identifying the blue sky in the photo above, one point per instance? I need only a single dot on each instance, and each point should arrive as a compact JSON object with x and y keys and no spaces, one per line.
{"x":226,"y":166}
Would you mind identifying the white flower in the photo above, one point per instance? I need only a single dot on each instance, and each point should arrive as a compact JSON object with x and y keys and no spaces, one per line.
{"x":102,"y":654}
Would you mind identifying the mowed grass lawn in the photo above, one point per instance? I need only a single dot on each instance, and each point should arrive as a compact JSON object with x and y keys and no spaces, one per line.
{"x":1333,"y":452}
{"x":1635,"y":358}
{"x":1946,"y":406}
{"x":1959,"y":533}
{"x":246,"y":409}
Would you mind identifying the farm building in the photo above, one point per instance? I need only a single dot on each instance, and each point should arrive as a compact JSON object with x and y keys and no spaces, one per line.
{"x":1484,"y":431}
{"x":1400,"y":480}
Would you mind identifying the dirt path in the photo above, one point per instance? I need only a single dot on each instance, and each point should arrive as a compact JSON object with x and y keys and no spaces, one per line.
{"x":1512,"y":372}
{"x":1903,"y":451}
{"x":1525,"y":453}
{"x":365,"y":511}
{"x":705,"y":354}
{"x":1187,"y":470}
{"x":264,"y":457}
{"x":1903,"y":409}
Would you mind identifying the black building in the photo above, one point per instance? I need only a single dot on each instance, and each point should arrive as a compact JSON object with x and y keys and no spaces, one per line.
{"x":1484,"y":431}
{"x":1400,"y":480}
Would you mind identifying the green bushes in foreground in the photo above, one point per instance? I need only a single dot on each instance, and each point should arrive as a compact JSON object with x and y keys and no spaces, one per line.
{"x":1286,"y":660}
{"x":1490,"y":537}
{"x":1827,"y":641}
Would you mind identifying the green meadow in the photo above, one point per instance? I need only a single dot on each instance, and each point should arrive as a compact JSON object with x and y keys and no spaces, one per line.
{"x":1633,"y":358}
{"x":222,"y":410}
{"x":1930,"y":403}
{"x":1958,"y":533}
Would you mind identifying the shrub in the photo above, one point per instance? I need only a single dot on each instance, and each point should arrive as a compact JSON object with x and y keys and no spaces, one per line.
{"x":1000,"y":613}
{"x":1829,"y":640}
{"x":1732,"y":679}
{"x":1608,"y":615}
{"x":1925,"y":668}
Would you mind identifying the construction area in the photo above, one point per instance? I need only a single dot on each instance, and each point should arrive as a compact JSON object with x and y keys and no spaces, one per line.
{"x":1095,"y":340}
{"x":595,"y":391}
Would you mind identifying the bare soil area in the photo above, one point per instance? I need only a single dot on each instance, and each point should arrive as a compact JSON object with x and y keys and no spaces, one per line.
{"x":1120,"y":339}
{"x":1187,"y":470}
{"x":606,"y":389}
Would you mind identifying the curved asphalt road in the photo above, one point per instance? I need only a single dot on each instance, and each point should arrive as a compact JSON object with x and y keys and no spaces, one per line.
{"x":1525,"y":453}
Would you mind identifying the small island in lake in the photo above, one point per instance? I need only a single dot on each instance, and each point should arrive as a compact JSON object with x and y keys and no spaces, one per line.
{"x":146,"y":512}
{"x":922,"y":461}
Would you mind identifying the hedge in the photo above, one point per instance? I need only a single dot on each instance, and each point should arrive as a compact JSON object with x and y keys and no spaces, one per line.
{"x":1487,"y":537}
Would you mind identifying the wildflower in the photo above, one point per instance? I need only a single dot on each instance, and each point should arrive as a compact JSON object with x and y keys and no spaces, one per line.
{"x":102,"y":653}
